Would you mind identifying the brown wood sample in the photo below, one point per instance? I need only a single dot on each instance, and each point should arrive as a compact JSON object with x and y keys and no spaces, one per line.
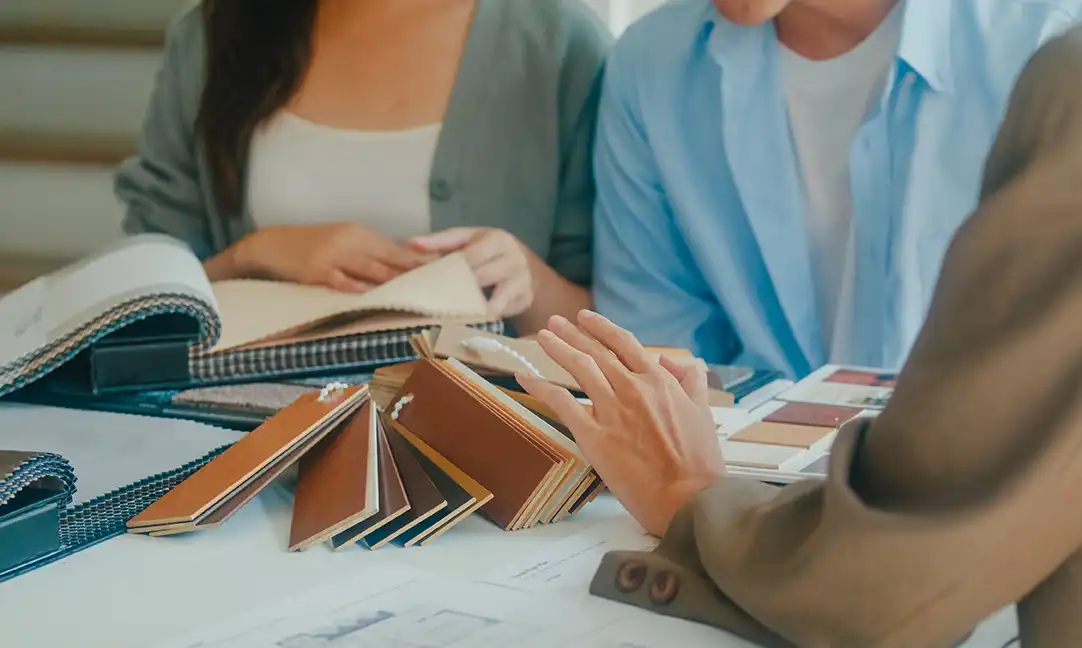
{"x":464,"y":495}
{"x":393,"y":502}
{"x":242,"y":462}
{"x":425,"y":500}
{"x":338,"y":482}
{"x":475,"y":438}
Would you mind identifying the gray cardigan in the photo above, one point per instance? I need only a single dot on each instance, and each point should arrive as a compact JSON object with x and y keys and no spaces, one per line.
{"x":515,"y":149}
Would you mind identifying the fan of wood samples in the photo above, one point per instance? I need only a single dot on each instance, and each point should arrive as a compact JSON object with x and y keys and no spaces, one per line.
{"x":403,"y":468}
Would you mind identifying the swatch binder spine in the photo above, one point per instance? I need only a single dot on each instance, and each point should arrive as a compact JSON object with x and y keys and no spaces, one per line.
{"x":317,"y":355}
{"x":37,"y":364}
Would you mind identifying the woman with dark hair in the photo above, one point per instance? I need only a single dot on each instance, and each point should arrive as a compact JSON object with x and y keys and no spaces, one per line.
{"x":344,"y":142}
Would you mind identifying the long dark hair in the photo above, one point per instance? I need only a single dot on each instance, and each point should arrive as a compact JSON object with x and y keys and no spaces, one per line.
{"x":257,"y":55}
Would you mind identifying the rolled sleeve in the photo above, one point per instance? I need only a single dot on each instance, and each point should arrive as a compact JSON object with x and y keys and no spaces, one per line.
{"x":159,"y":185}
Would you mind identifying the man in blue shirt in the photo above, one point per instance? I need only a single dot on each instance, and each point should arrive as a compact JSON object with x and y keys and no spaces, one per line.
{"x":778,"y":179}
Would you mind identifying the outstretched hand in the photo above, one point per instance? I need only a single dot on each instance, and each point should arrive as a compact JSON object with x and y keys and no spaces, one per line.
{"x":649,"y":434}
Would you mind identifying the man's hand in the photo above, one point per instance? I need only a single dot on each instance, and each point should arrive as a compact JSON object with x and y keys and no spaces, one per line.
{"x":650,"y":434}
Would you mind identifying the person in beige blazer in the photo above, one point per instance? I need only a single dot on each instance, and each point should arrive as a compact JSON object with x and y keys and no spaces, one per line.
{"x":960,"y":498}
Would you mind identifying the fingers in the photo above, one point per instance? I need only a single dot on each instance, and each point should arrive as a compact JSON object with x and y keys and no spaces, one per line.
{"x":614,"y":370}
{"x":449,"y":240}
{"x":399,"y":256}
{"x":479,"y":245}
{"x":489,"y":246}
{"x":510,"y":298}
{"x":626,"y":347}
{"x":691,"y":377}
{"x":494,"y":271}
{"x":570,"y":412}
{"x":581,"y":367}
{"x":342,"y":282}
{"x":367,"y":244}
{"x":368,"y":269}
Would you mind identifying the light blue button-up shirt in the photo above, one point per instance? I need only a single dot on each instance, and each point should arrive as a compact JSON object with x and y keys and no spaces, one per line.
{"x":700,"y":235}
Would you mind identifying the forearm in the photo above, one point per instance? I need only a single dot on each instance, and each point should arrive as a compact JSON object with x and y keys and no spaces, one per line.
{"x":553,"y":295}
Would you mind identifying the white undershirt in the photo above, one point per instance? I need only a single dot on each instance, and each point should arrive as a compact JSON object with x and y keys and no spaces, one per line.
{"x":827,"y":103}
{"x":304,"y":173}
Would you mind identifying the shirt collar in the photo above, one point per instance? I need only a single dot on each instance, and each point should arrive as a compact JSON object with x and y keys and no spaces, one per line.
{"x":926,"y":40}
{"x":925,"y":44}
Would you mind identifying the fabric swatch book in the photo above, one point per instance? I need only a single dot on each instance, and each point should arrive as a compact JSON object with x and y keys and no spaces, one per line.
{"x":141,"y":314}
{"x":77,"y":477}
{"x":34,"y":488}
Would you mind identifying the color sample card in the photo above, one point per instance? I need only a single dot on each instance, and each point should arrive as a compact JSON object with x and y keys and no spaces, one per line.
{"x":854,"y":387}
{"x":782,"y":434}
{"x":817,"y":467}
{"x":845,"y":395}
{"x":863,"y":377}
{"x":756,"y":455}
{"x":813,"y":414}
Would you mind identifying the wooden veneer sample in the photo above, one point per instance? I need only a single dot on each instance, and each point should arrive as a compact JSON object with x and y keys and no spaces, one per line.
{"x":425,"y":500}
{"x":480,"y":441}
{"x":243,"y":462}
{"x":393,"y":501}
{"x":463,"y":494}
{"x":338,"y":485}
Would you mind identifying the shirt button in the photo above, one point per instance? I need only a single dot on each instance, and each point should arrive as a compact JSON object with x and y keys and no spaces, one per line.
{"x":439,"y":190}
{"x":664,"y":588}
{"x":630,"y":576}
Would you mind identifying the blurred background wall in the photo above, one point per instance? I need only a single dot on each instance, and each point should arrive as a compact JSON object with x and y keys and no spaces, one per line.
{"x":76,"y":76}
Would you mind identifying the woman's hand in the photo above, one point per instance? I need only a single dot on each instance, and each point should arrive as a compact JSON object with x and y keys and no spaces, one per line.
{"x":344,"y":256}
{"x":498,"y":260}
{"x":649,"y":434}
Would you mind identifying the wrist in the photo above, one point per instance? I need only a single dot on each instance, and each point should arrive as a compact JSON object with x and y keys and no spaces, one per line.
{"x":244,"y":255}
{"x":679,"y":494}
{"x":541,"y":273}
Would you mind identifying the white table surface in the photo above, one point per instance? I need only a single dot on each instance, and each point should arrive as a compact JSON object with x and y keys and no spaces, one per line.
{"x":135,"y":590}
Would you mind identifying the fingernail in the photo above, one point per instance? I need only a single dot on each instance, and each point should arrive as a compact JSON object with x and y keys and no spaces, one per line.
{"x":587,"y":314}
{"x":558,"y":321}
{"x":545,"y":334}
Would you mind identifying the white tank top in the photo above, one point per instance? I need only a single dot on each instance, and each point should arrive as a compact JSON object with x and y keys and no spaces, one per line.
{"x":303,"y":173}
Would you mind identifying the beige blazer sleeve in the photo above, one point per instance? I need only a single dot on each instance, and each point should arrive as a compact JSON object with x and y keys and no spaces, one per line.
{"x":963,"y":495}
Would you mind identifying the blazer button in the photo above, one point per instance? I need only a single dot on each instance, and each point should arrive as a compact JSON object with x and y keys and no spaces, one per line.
{"x":631,"y":576}
{"x":439,"y":190}
{"x":664,"y":588}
